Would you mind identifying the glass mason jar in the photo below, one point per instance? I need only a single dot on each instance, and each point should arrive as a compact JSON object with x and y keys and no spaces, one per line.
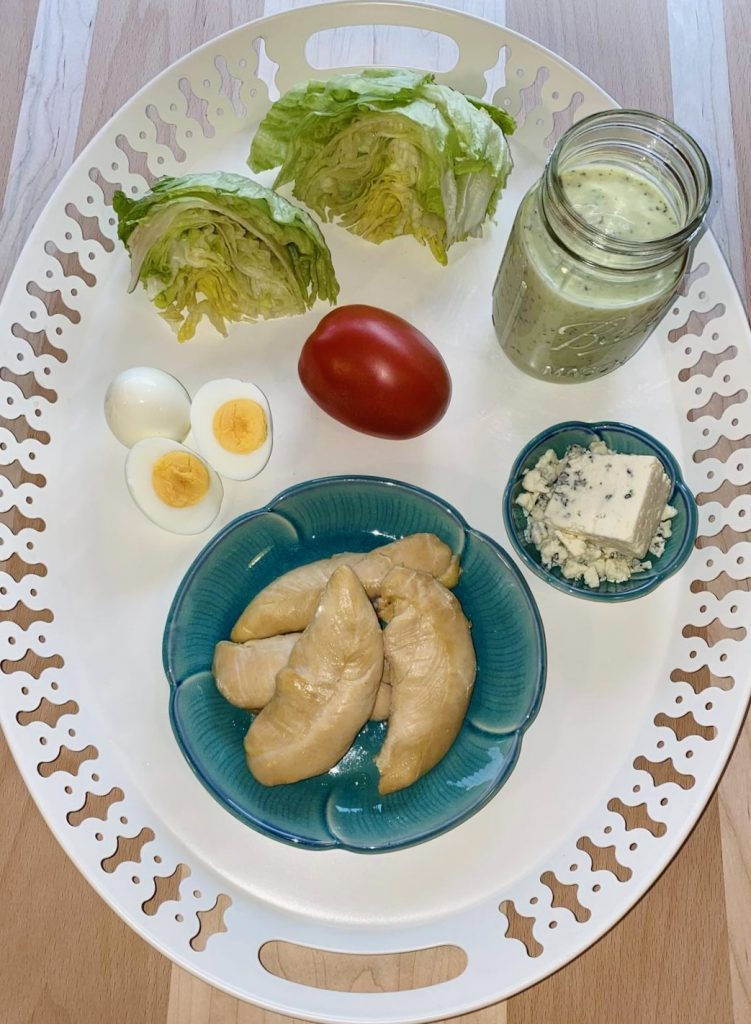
{"x":600,"y":245}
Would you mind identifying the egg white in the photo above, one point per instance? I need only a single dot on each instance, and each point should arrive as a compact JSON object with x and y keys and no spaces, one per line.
{"x":139,"y":467}
{"x":207,"y":400}
{"x":146,"y":402}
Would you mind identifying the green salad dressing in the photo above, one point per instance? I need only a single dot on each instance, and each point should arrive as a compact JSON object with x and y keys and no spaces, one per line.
{"x":563,"y":317}
{"x":619,"y":203}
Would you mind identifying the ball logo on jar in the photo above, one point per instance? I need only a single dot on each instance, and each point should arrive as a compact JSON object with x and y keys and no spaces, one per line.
{"x":584,"y":338}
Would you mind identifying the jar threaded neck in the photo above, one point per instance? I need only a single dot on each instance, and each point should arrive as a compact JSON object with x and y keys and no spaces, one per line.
{"x":645,"y":144}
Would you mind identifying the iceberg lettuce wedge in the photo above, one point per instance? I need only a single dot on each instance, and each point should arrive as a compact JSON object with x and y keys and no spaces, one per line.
{"x":388,"y":153}
{"x":223,"y":246}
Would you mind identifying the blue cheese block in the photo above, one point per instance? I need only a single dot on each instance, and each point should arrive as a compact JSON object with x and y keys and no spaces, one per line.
{"x":612,"y":500}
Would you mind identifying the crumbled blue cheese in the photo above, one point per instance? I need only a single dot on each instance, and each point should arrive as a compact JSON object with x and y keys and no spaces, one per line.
{"x":596,"y":513}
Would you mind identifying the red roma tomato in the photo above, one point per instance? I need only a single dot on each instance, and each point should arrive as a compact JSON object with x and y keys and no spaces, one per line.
{"x":375,"y":372}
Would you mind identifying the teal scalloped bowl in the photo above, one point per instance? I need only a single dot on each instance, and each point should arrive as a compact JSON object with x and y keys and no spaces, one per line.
{"x":619,"y":437}
{"x":342,"y":808}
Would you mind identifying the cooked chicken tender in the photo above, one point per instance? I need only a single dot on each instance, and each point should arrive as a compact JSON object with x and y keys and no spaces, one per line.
{"x":432,"y":662}
{"x":245,"y":674}
{"x":287,"y":605}
{"x":382,"y":705}
{"x":422,"y":551}
{"x":326,"y":692}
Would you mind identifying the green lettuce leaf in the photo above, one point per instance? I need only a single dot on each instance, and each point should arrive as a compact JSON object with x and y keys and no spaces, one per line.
{"x":504,"y":121}
{"x":389,"y":153}
{"x":222,"y":246}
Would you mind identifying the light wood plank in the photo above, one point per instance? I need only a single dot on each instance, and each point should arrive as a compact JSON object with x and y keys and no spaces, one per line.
{"x":737,"y":37}
{"x":45,"y":139}
{"x":701,"y":105}
{"x":735,"y":824}
{"x":15,"y":47}
{"x":735,"y":807}
{"x":67,"y":958}
{"x":107,"y":961}
{"x":621,"y":46}
{"x":192,"y":1001}
{"x":365,"y":44}
{"x":610,"y":53}
{"x":666,"y":961}
{"x":159,"y":32}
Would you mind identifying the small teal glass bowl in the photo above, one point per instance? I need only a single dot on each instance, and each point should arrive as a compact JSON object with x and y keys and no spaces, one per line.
{"x":619,"y":437}
{"x":343,"y":808}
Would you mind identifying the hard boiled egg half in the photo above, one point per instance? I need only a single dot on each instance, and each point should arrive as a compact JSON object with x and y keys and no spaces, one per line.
{"x":146,"y":402}
{"x":231,"y":425}
{"x":172,"y":485}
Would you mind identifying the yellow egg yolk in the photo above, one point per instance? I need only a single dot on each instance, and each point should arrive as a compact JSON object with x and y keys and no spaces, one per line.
{"x":180,"y":479}
{"x":240,"y":426}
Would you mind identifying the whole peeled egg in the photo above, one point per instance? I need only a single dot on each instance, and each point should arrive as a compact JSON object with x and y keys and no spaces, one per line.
{"x":232,"y":428}
{"x":173,"y":485}
{"x":146,"y":402}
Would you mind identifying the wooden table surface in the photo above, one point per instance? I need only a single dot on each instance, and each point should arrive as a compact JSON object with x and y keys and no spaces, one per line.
{"x":682,"y":954}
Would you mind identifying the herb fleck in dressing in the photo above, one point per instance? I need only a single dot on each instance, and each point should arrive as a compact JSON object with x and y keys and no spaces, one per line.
{"x":619,"y":203}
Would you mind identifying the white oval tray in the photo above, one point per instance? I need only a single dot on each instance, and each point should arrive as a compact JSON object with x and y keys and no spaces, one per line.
{"x":643,"y":700}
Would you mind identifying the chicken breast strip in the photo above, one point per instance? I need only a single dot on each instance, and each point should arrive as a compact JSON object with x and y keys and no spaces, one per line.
{"x":326,"y":692}
{"x":245,"y":674}
{"x":432,"y":661}
{"x":287,"y":605}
